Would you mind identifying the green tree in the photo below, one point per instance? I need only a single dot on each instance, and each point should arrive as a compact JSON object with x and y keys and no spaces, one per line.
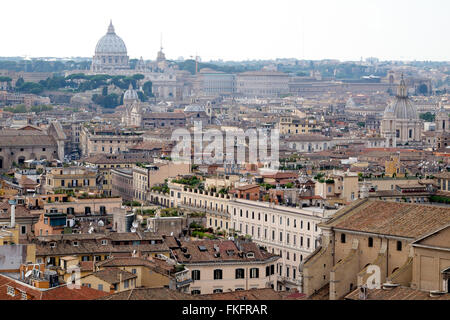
{"x":19,"y":83}
{"x":147,"y":88}
{"x":138,"y":76}
{"x":422,"y":89}
{"x":428,"y":116}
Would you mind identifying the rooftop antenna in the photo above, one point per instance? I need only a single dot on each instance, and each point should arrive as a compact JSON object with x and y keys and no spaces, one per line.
{"x":160,"y":41}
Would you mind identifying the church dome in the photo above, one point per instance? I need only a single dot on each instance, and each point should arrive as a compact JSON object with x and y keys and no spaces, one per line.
{"x":402,"y":107}
{"x":111,"y":43}
{"x":130,"y":94}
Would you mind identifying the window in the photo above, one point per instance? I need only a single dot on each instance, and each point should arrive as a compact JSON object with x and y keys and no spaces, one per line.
{"x":342,"y":237}
{"x":217,"y":291}
{"x":194,"y":292}
{"x":104,"y":242}
{"x":100,"y":287}
{"x":370,"y":242}
{"x":126,"y":284}
{"x":23,"y":229}
{"x":75,"y":243}
{"x":399,"y":246}
{"x":240,"y":273}
{"x":254,"y":273}
{"x":217,"y":274}
{"x":195,"y":274}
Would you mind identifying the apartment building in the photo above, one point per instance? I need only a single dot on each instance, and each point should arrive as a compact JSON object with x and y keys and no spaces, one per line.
{"x":214,"y":204}
{"x":97,"y":246}
{"x":309,"y":142}
{"x":147,"y":175}
{"x":292,"y":233}
{"x":72,"y":178}
{"x":107,"y":141}
{"x":338,"y":187}
{"x":105,"y":163}
{"x":225,"y":265}
{"x":291,"y":125}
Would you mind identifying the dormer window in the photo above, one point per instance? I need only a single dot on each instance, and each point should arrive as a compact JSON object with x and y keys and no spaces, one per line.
{"x":10,"y":291}
{"x":104,"y":242}
{"x":75,"y":243}
{"x":52,"y":244}
{"x":250,"y":255}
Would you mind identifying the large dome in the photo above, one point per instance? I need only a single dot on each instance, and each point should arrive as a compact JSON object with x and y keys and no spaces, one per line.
{"x":111,"y":43}
{"x":402,"y":107}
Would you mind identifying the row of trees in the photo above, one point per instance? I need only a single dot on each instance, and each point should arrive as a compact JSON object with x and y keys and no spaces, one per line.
{"x":21,"y":108}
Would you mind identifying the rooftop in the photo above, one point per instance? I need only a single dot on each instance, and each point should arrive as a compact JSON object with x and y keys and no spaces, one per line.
{"x":390,"y":218}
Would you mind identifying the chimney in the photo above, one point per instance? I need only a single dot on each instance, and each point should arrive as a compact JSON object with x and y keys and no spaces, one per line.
{"x":120,"y":276}
{"x":13,"y":213}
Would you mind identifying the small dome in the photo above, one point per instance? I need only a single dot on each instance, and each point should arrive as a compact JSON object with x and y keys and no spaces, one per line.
{"x":111,"y":43}
{"x":130,"y":94}
{"x":194,"y":108}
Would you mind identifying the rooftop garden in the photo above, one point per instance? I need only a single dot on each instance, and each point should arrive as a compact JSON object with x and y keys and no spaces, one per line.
{"x":86,"y":195}
{"x":169,"y":212}
{"x":133,"y":203}
{"x":192,"y":181}
{"x":161,"y":188}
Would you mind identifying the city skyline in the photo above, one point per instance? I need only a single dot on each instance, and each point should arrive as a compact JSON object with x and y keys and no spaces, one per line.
{"x":236,"y":32}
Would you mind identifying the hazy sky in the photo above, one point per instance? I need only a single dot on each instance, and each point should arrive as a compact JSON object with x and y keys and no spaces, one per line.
{"x":231,"y":29}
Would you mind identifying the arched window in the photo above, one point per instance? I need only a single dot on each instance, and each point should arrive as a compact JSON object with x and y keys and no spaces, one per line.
{"x":217,"y":274}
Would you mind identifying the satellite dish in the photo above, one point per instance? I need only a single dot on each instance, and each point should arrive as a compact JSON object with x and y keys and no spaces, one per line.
{"x":48,"y":260}
{"x":133,"y":230}
{"x":91,"y":229}
{"x":139,"y":217}
{"x":171,"y":234}
{"x":100,"y":223}
{"x":135,"y":224}
{"x":28,"y":273}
